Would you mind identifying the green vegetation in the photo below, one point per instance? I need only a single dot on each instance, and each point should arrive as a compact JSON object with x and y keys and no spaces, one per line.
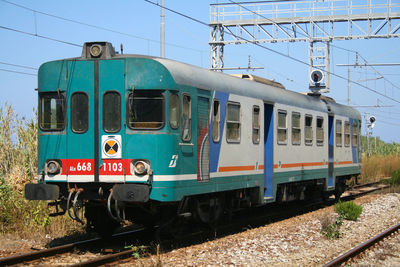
{"x":331,"y":228}
{"x":383,"y":161}
{"x":379,"y":147}
{"x":394,"y":180}
{"x":348,"y":210}
{"x":138,"y":251}
{"x":18,"y":165}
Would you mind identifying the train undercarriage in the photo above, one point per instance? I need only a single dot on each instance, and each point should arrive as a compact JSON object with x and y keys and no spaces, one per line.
{"x":104,"y":209}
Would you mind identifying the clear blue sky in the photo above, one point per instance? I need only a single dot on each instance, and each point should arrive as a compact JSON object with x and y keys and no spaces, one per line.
{"x":187,"y":41}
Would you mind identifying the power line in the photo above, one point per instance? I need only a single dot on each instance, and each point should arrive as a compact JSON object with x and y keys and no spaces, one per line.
{"x":178,"y":13}
{"x":363,"y":58}
{"x":19,"y":72}
{"x":98,"y":27}
{"x":15,"y":65}
{"x":302,"y":62}
{"x":40,"y":36}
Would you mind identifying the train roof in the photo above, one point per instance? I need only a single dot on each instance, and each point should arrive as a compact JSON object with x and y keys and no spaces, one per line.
{"x":205,"y":79}
{"x":190,"y":75}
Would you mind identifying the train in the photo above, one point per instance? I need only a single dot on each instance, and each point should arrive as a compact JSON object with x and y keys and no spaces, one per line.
{"x":142,"y":139}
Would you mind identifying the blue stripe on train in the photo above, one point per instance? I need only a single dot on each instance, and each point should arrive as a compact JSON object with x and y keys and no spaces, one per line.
{"x":215,"y":148}
{"x":353,"y":148}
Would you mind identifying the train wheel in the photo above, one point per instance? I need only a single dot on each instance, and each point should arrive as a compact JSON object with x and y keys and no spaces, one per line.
{"x":99,"y":221}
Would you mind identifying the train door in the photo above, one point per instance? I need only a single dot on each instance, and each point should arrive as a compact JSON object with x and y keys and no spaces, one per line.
{"x":80,"y":150}
{"x":94,"y":142}
{"x":203,"y":140}
{"x":111,"y":137}
{"x":331,"y":178}
{"x":268,"y":150}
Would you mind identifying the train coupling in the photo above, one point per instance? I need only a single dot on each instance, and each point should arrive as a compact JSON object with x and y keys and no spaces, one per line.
{"x":58,"y":204}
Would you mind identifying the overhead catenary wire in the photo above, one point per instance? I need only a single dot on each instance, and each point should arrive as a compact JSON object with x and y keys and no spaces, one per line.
{"x":40,"y":36}
{"x":19,"y":72}
{"x":363,"y":58}
{"x":279,"y":53}
{"x":98,"y":27}
{"x":19,"y":66}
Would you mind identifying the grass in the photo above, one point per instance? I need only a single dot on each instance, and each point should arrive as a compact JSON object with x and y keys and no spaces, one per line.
{"x":376,"y":167}
{"x":18,"y":165}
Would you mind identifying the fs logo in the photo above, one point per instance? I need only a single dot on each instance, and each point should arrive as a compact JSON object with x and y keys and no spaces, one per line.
{"x":174,"y":159}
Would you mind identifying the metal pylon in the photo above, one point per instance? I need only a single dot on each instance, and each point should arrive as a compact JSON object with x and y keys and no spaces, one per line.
{"x":217,"y":48}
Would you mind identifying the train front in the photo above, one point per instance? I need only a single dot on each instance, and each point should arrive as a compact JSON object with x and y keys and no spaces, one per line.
{"x":102,"y":134}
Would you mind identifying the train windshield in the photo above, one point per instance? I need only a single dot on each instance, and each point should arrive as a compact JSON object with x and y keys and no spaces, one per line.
{"x":146,"y":110}
{"x":52,"y":111}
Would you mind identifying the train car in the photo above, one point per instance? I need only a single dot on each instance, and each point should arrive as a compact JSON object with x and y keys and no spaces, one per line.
{"x":147,"y":139}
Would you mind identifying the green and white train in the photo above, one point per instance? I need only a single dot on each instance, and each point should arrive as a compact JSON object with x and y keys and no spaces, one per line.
{"x":146,"y":139}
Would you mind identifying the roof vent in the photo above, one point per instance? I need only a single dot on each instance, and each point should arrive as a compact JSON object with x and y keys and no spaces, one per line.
{"x":98,"y":50}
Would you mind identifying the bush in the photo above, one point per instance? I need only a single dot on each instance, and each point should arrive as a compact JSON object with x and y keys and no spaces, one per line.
{"x":394,"y":180}
{"x":348,"y":210}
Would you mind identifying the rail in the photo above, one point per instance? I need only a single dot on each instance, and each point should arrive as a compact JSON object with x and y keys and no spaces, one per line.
{"x":357,"y":250}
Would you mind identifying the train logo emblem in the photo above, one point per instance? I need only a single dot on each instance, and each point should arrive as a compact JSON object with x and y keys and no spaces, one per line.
{"x":111,"y":146}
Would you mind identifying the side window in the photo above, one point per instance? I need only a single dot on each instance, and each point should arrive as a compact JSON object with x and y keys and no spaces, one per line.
{"x":146,"y":110}
{"x":320,"y":131}
{"x":282,"y":127}
{"x":51,"y":111}
{"x":339,"y":133}
{"x":355,"y":134}
{"x":174,"y":111}
{"x":186,"y":118}
{"x":79,"y":112}
{"x":347,"y":133}
{"x":256,"y":124}
{"x":233,"y":123}
{"x":296,"y":130}
{"x":112,"y":112}
{"x":308,"y":130}
{"x":216,"y":119}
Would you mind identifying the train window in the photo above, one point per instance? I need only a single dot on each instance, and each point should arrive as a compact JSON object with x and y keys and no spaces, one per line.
{"x":282,"y":127}
{"x":233,"y":122}
{"x":320,"y":131}
{"x":339,"y":131}
{"x":174,"y":111}
{"x":256,"y":124}
{"x":296,"y":130}
{"x":112,"y":112}
{"x":186,"y":118}
{"x":308,"y":136}
{"x":79,"y":112}
{"x":216,"y":118}
{"x":146,"y":110}
{"x":355,"y":134}
{"x":52,"y":111}
{"x":347,"y":133}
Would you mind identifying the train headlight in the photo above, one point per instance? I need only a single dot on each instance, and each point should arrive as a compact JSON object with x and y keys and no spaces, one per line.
{"x":141,"y":167}
{"x":95,"y":50}
{"x":53,"y":167}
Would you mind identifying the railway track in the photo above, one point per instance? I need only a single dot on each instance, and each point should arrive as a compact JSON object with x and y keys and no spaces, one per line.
{"x":361,"y":248}
{"x":63,"y":249}
{"x":273,"y":215}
